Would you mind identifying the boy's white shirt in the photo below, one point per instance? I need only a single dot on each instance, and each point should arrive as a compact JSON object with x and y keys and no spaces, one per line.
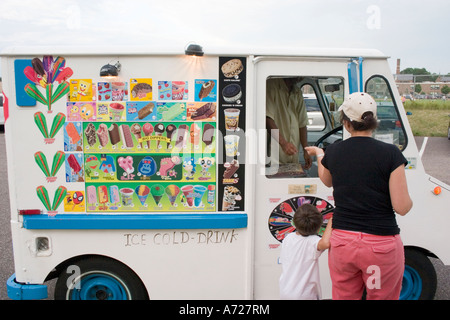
{"x":300,"y":278}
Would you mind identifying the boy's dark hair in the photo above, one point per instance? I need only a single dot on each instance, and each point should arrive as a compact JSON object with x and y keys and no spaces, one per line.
{"x":307,"y":219}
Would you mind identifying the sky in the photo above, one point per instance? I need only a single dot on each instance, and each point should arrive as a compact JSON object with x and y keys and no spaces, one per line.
{"x":411,"y":30}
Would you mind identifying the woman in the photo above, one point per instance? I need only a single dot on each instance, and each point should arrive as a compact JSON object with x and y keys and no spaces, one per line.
{"x":368,"y":177}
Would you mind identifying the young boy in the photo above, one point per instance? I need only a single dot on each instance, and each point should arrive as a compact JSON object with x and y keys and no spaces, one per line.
{"x":300,"y":251}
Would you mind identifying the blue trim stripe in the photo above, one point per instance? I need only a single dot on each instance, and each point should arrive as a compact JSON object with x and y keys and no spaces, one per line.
{"x":352,"y":77}
{"x":361,"y":79}
{"x":134,"y":221}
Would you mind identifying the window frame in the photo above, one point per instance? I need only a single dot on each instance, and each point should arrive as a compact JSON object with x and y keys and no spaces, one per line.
{"x":395,"y":105}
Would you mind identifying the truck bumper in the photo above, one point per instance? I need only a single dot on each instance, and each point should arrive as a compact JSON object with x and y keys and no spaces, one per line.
{"x":21,"y":291}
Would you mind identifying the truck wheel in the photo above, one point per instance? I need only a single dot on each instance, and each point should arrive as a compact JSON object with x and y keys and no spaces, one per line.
{"x":99,"y":279}
{"x":419,"y":279}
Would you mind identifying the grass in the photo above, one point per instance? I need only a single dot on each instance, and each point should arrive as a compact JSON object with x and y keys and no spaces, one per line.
{"x":429,"y":118}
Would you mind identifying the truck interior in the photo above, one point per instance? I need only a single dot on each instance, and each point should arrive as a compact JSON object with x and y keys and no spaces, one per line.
{"x":323,"y":96}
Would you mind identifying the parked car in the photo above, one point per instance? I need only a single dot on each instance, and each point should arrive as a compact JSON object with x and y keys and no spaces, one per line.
{"x":316,"y":122}
{"x":2,"y":116}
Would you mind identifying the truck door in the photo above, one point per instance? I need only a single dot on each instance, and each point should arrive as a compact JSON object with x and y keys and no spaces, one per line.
{"x":281,"y":187}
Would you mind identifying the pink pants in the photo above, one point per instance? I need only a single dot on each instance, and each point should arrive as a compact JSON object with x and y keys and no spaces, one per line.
{"x":359,"y":260}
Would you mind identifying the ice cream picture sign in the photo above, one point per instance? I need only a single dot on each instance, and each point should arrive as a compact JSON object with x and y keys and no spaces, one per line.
{"x":231,"y":183}
{"x":46,"y":73}
{"x":141,"y":144}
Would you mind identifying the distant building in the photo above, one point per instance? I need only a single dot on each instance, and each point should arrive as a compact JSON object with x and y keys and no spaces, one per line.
{"x":406,"y":84}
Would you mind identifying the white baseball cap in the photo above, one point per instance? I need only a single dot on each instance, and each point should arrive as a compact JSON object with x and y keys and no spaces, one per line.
{"x":357,"y":104}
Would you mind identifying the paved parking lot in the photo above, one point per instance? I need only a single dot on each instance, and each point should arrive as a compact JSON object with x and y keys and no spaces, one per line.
{"x":436,"y":155}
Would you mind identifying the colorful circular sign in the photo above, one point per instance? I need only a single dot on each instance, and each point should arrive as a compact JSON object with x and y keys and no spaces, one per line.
{"x":280,"y":220}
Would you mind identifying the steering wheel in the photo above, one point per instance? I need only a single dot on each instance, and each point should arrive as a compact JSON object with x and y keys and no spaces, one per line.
{"x":326,"y":135}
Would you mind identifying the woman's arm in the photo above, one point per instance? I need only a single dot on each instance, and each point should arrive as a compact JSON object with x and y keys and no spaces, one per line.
{"x":324,"y":173}
{"x":398,"y":189}
{"x":324,"y":243}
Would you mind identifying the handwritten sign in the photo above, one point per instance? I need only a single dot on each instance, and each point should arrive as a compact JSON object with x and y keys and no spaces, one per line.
{"x":209,"y":237}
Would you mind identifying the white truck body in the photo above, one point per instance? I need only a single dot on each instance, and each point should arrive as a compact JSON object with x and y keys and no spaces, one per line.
{"x":195,"y":252}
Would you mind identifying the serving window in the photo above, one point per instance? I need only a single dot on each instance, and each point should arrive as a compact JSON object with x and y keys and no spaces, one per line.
{"x":300,"y":111}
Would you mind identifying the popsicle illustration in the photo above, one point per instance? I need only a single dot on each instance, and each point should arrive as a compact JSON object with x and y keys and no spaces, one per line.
{"x":38,"y":66}
{"x":58,"y":66}
{"x":72,"y":133}
{"x":41,"y":122}
{"x":142,"y":192}
{"x":43,"y":196}
{"x":157,"y":192}
{"x":58,"y":122}
{"x":208,"y":134}
{"x":44,"y":73}
{"x":172,"y":192}
{"x":169,"y":131}
{"x":31,"y":74}
{"x":65,"y":74}
{"x":159,"y":129}
{"x":73,"y":163}
{"x":114,"y":135}
{"x":125,"y":135}
{"x":168,"y":114}
{"x":62,"y":89}
{"x":114,"y":197}
{"x":60,"y":194}
{"x":167,"y":164}
{"x":195,"y":135}
{"x":34,"y":92}
{"x":41,"y":160}
{"x":145,"y":111}
{"x":126,"y":164}
{"x":90,"y":134}
{"x":47,"y":65}
{"x":148,"y":129}
{"x":91,"y":195}
{"x":102,"y":134}
{"x":182,"y":134}
{"x":49,"y":94}
{"x":136,"y":131}
{"x":102,"y":196}
{"x":58,"y":160}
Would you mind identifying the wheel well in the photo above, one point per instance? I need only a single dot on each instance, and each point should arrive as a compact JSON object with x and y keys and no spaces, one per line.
{"x":63,"y":265}
{"x":422,"y":250}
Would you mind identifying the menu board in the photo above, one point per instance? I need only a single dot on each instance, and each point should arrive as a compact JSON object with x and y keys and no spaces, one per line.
{"x":145,"y":144}
{"x":231,"y":173}
{"x":137,"y":154}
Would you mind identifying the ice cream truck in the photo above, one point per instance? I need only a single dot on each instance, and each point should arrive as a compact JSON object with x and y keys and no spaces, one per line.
{"x":141,"y":174}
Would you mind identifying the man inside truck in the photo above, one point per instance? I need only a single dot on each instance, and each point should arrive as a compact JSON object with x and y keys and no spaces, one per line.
{"x":286,"y":119}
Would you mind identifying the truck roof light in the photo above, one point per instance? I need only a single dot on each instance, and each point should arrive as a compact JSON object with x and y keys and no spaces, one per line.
{"x":194,"y":50}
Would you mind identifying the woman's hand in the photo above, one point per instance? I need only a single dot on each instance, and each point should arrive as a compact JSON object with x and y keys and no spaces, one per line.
{"x":314,"y":151}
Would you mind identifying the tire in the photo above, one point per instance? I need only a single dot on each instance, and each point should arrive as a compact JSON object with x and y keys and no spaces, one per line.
{"x":419,"y":278}
{"x":99,"y":278}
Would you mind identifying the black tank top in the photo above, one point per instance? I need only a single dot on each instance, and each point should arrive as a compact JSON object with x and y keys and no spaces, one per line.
{"x":360,"y":168}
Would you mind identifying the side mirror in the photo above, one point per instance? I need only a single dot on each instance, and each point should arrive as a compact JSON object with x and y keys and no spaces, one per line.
{"x":332,"y":87}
